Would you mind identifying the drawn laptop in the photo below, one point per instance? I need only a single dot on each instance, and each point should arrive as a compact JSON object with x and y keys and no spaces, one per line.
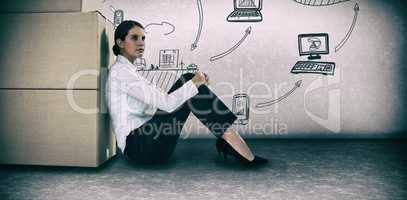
{"x":246,"y":11}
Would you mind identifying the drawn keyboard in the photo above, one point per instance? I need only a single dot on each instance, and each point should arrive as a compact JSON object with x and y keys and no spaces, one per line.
{"x":327,"y":68}
{"x":245,"y":13}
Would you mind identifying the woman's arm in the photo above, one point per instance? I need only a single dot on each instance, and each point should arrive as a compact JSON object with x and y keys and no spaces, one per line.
{"x":136,"y":86}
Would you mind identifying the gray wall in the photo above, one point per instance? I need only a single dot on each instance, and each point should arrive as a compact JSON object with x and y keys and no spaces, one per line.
{"x":365,"y":98}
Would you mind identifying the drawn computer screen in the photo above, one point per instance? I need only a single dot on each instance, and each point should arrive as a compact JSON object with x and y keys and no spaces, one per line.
{"x":313,"y":44}
{"x":241,"y":107}
{"x":247,"y":3}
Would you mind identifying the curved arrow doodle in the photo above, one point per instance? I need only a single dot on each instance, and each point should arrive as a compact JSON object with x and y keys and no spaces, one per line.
{"x":162,"y":24}
{"x":355,"y":18}
{"x":319,"y":2}
{"x":269,"y":103}
{"x":112,"y":8}
{"x":198,"y":35}
{"x":248,"y":31}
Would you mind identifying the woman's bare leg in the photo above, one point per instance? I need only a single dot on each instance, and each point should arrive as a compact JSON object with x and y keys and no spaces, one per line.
{"x":233,"y":138}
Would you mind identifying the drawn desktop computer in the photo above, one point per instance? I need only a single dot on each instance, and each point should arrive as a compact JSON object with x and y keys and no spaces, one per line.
{"x":313,"y":45}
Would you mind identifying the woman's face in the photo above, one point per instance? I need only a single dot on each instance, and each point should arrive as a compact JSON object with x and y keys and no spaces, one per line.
{"x":133,"y":45}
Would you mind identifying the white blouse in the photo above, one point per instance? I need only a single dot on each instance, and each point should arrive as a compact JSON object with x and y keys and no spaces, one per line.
{"x":132,"y":100}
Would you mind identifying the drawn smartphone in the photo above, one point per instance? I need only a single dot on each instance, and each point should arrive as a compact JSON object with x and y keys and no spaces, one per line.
{"x":118,"y":17}
{"x":241,"y":108}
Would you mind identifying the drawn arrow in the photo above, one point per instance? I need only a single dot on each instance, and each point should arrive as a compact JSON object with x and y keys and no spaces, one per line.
{"x":198,"y":35}
{"x":248,"y":31}
{"x":112,"y":8}
{"x":269,"y":103}
{"x":162,"y":24}
{"x":344,"y":40}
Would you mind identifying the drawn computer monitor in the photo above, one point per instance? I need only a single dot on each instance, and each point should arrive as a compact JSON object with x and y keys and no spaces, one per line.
{"x":248,"y":4}
{"x":313,"y":45}
{"x":246,"y":11}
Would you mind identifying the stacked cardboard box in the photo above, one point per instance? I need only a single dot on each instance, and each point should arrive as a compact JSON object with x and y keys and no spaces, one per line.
{"x":29,"y":6}
{"x":52,"y":73}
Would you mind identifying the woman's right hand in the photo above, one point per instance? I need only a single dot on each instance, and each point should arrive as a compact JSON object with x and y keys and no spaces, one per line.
{"x":200,"y":78}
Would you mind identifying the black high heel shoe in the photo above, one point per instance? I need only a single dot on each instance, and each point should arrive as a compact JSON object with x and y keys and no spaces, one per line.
{"x":226,"y":149}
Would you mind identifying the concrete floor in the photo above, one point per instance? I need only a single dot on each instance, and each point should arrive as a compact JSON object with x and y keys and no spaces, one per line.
{"x":299,"y":169}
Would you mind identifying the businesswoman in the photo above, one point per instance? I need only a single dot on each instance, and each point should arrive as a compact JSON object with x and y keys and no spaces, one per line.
{"x":147,"y":122}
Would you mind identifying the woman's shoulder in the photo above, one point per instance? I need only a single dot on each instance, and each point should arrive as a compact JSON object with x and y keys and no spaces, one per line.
{"x":119,"y":69}
{"x":121,"y":63}
{"x":119,"y":66}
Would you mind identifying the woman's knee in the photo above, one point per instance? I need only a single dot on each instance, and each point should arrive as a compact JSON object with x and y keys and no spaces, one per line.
{"x":187,"y":76}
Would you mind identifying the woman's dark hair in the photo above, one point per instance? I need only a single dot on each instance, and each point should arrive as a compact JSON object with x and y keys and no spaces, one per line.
{"x":121,"y":32}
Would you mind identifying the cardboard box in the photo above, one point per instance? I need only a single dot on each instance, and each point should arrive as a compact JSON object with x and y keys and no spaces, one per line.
{"x":45,"y":127}
{"x":51,"y":50}
{"x":45,"y":120}
{"x":19,"y":6}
